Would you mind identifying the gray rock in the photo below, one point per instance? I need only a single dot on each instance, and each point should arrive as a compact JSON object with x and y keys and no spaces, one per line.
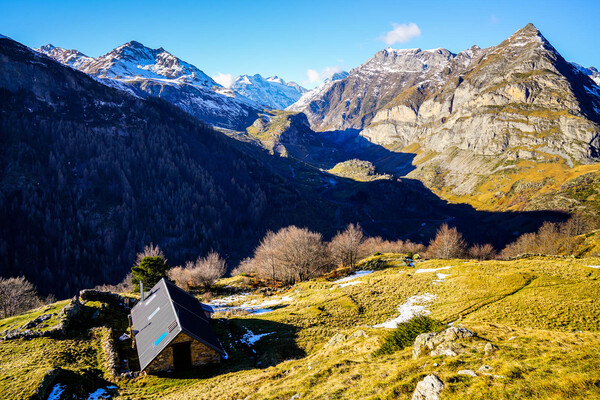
{"x":442,"y":343}
{"x":358,"y":334}
{"x":490,"y":349}
{"x":467,"y":372}
{"x":484,"y":368}
{"x":335,"y":339}
{"x":429,"y":388}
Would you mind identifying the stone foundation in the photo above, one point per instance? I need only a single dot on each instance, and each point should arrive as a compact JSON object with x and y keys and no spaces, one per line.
{"x":201,"y":354}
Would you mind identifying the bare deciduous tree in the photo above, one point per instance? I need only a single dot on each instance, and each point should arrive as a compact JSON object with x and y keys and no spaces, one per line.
{"x":203,"y":272}
{"x":482,"y":252}
{"x":291,"y":255}
{"x":448,"y":243}
{"x":16,"y":296}
{"x":345,"y":246}
{"x":150,"y":251}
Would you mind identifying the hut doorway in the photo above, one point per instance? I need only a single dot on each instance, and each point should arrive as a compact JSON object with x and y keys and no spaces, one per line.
{"x":182,"y":356}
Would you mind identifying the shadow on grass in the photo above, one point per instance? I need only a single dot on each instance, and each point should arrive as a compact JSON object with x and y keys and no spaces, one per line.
{"x":250,"y":343}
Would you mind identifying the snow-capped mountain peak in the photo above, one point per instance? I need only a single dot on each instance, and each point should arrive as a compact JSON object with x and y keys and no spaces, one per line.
{"x":272,"y":92}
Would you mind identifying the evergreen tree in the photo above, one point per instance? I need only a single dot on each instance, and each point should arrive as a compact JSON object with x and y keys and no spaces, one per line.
{"x":150,"y":270}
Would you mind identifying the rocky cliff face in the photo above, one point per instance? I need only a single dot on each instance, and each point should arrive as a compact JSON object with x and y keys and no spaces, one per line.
{"x":517,"y":99}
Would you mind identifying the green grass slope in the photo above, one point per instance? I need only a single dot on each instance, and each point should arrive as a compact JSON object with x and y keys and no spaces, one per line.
{"x":319,"y":340}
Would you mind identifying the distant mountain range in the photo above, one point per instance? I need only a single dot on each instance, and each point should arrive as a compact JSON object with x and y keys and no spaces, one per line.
{"x":155,"y":72}
{"x":103,"y":155}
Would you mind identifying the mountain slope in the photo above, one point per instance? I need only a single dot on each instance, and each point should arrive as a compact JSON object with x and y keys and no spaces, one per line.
{"x":91,"y":174}
{"x":518,"y":97}
{"x":317,"y":339}
{"x":272,"y":92}
{"x":155,"y":72}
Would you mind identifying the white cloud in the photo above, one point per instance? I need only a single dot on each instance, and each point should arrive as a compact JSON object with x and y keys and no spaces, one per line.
{"x":401,"y":33}
{"x":316,"y":76}
{"x":225,"y":80}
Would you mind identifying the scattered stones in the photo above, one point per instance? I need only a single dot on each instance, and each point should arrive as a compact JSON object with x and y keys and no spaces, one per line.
{"x":335,"y":339}
{"x":468,"y":372}
{"x":35,"y":322}
{"x":429,"y":388}
{"x":358,"y":334}
{"x":428,"y":343}
{"x":484,"y":369}
{"x":490,"y":348}
{"x":444,"y":350}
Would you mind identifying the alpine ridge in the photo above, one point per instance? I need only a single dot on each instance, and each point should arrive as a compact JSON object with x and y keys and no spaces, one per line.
{"x":145,"y":72}
{"x":517,"y":99}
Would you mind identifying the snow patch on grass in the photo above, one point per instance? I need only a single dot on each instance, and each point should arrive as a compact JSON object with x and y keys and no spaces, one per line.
{"x":56,"y":392}
{"x":355,"y":275}
{"x":440,"y":278}
{"x":415,"y":305}
{"x":251,"y":338}
{"x":425,"y":270}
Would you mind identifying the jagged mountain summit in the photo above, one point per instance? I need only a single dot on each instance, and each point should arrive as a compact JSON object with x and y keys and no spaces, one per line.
{"x":155,"y":72}
{"x":272,"y":92}
{"x":517,"y":99}
{"x":311,"y":95}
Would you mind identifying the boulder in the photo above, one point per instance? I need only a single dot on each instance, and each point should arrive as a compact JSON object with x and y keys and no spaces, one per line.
{"x":468,"y":372}
{"x":335,"y":339}
{"x":358,"y":334}
{"x":441,"y":343}
{"x":428,"y":389}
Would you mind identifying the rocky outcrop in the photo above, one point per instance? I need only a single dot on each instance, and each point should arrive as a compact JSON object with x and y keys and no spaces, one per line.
{"x":441,"y":343}
{"x":519,"y":99}
{"x":429,"y":388}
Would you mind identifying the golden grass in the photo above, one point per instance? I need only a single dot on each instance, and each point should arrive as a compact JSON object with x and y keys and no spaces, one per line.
{"x":541,"y":312}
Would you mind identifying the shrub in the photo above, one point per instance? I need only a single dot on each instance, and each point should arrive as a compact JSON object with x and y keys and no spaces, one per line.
{"x":448,"y":243}
{"x":201,"y":273}
{"x":207,"y":270}
{"x":291,"y":255}
{"x":345,"y":246}
{"x":16,"y":296}
{"x":406,"y":332}
{"x":482,"y":252}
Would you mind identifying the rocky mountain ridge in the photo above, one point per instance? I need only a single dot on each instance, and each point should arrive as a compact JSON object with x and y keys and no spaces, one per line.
{"x":145,"y":72}
{"x":517,"y":99}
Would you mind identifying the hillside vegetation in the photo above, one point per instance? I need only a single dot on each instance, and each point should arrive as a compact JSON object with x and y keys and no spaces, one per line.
{"x":318,"y":339}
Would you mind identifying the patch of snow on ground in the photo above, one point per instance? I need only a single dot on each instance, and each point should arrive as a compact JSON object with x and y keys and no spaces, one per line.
{"x":252,"y":307}
{"x":440,"y":278}
{"x":414,"y":306}
{"x":355,"y":275}
{"x":593,"y":266}
{"x":99,"y":394}
{"x":57,"y":390}
{"x":250,"y":338}
{"x":424,"y":270}
{"x":351,"y":283}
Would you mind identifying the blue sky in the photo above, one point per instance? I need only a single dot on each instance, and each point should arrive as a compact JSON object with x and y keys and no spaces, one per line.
{"x":301,"y":41}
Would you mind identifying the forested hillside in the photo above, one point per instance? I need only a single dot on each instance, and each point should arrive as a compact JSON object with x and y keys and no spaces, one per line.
{"x":90,"y":174}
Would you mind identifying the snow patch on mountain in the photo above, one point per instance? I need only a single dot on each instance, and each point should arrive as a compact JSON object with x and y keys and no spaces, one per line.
{"x":144,"y":72}
{"x":315,"y":93}
{"x":272,"y":92}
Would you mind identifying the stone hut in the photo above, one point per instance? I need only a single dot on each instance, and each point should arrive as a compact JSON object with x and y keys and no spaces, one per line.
{"x":172,"y":330}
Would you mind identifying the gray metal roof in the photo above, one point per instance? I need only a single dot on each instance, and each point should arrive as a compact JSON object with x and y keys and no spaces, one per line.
{"x":166,"y":311}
